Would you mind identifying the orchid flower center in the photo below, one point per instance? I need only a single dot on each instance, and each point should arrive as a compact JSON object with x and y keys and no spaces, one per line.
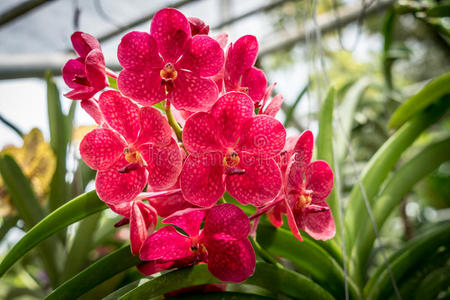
{"x":132,"y":155}
{"x":168,"y":72}
{"x":303,"y":201}
{"x":243,"y":89}
{"x":81,"y":80}
{"x":197,"y":248}
{"x":231,"y":159}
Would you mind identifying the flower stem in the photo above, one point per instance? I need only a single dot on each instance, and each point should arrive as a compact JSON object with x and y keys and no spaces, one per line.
{"x":172,"y":122}
{"x":266,"y":256}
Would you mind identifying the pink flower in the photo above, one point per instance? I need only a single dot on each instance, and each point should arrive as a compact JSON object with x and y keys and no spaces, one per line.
{"x":222,"y":243}
{"x":85,"y":75}
{"x":135,"y":149}
{"x":271,"y":108}
{"x":197,"y":26}
{"x":231,"y":148}
{"x":240,"y":74}
{"x":170,"y":63}
{"x":170,"y":203}
{"x":306,"y":186}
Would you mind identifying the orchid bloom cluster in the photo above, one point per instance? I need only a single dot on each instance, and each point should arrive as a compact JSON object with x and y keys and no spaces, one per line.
{"x":149,"y":167}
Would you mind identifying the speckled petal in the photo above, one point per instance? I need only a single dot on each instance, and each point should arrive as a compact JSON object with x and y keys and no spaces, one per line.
{"x":292,"y":222}
{"x":240,"y":57}
{"x":143,"y":86}
{"x":120,"y":113}
{"x":152,"y":267}
{"x":256,"y":82}
{"x":189,"y":220}
{"x":101,"y":148}
{"x":260,"y":183}
{"x":192,"y":92}
{"x":154,"y":127}
{"x":171,"y":30}
{"x":274,"y":106}
{"x":164,"y":164}
{"x":301,"y":157}
{"x":319,"y":179}
{"x":166,"y":244}
{"x":197,"y":26}
{"x":232,"y":261}
{"x":201,"y":179}
{"x":95,"y":70}
{"x":263,"y":136}
{"x":319,"y":225}
{"x":114,"y":187}
{"x":205,"y":56}
{"x":232,"y":110}
{"x":275,"y":214}
{"x":201,"y":134}
{"x":167,"y":205}
{"x":138,"y":50}
{"x":226,"y":221}
{"x":72,"y":69}
{"x":83,"y":43}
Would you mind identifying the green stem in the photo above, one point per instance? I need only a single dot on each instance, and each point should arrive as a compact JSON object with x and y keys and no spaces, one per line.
{"x":12,"y":126}
{"x":266,"y":256}
{"x":172,"y":122}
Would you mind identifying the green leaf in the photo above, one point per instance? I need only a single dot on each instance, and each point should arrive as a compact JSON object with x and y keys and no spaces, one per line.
{"x":58,"y":140}
{"x":439,"y":11}
{"x":324,"y":146}
{"x":69,"y":120}
{"x":112,"y":82}
{"x":308,"y":257}
{"x":223,"y":296}
{"x":431,"y":93}
{"x":270,"y":277}
{"x":77,"y":258}
{"x":382,"y":163}
{"x":12,"y":126}
{"x":29,"y":209}
{"x":433,"y":284}
{"x":407,"y":259}
{"x":398,"y":186}
{"x":8,"y":222}
{"x":67,"y":214}
{"x":103,"y":269}
{"x":388,"y":32}
{"x":290,"y":112}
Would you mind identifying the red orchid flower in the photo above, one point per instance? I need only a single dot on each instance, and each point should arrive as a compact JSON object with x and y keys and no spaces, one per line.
{"x":240,"y":74}
{"x":222,"y":243}
{"x":306,"y":186}
{"x":85,"y":75}
{"x":137,"y":148}
{"x":231,"y":148}
{"x":273,"y":106}
{"x":170,"y":63}
{"x":170,"y":202}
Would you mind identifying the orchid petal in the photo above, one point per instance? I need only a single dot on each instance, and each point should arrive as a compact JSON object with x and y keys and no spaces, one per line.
{"x":166,"y":244}
{"x":201,"y":134}
{"x":226,"y":221}
{"x":138,"y":50}
{"x":189,"y":220}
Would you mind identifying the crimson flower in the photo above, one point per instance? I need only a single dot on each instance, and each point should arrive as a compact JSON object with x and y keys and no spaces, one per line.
{"x":222,"y":243}
{"x":231,"y":147}
{"x":240,"y":74}
{"x":135,"y":149}
{"x":170,"y":63}
{"x":307,"y":184}
{"x":85,"y":75}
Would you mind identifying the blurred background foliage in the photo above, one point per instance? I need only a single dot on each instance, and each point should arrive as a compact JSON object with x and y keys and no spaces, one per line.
{"x":374,"y":61}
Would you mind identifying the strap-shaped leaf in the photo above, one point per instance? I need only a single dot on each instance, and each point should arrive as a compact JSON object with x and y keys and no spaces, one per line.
{"x":431,"y":93}
{"x":383,"y":162}
{"x":270,"y":277}
{"x":308,"y":257}
{"x":401,"y":183}
{"x":103,"y":269}
{"x":223,"y":296}
{"x":406,"y":259}
{"x":67,"y":214}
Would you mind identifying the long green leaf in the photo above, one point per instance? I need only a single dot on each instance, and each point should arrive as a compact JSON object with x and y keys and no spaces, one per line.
{"x":58,"y":140}
{"x":67,"y":214}
{"x":222,"y":296}
{"x":8,"y":222}
{"x":384,"y":160}
{"x":103,"y":269}
{"x":29,"y":209}
{"x":277,"y":280}
{"x":406,"y":259}
{"x":308,"y":257}
{"x":324,"y":146}
{"x":433,"y":284}
{"x":396,"y":188}
{"x":439,"y":11}
{"x":431,"y":93}
{"x":290,"y":112}
{"x":388,"y":32}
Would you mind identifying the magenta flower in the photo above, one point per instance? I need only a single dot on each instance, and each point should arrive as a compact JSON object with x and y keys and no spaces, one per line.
{"x":170,"y":63}
{"x":85,"y":75}
{"x":306,"y":186}
{"x":197,"y":26}
{"x":271,"y":107}
{"x":231,"y":148}
{"x":222,"y":243}
{"x":240,"y":74}
{"x":170,"y":202}
{"x":135,"y":149}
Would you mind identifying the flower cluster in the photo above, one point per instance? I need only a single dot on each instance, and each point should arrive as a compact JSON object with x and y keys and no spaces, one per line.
{"x":149,"y":167}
